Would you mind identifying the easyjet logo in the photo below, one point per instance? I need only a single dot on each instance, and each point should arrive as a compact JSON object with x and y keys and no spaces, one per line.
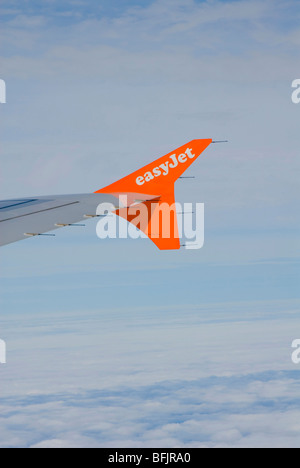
{"x":165,"y":168}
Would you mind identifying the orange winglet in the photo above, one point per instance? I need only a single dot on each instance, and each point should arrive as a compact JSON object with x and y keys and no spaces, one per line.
{"x":157,"y":217}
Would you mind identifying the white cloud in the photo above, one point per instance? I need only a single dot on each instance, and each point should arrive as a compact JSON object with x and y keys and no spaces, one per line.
{"x":165,"y":378}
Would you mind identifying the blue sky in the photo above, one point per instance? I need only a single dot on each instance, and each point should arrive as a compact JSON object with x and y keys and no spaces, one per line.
{"x":91,"y":96}
{"x":90,"y":8}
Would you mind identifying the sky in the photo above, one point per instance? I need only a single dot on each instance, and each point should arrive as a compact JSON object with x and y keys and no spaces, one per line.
{"x":114,"y":343}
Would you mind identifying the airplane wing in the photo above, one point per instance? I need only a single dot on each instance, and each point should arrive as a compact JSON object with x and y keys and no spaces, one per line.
{"x":29,"y":217}
{"x":154,"y":184}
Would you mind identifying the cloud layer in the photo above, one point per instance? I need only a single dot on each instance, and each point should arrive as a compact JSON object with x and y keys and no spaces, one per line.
{"x":165,"y":378}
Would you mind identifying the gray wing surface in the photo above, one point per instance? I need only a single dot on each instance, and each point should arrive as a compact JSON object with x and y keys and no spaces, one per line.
{"x":28,"y":217}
